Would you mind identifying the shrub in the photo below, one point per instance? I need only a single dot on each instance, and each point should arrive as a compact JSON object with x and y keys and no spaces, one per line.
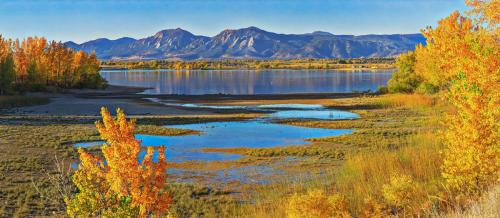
{"x":374,"y":209}
{"x":399,"y":191}
{"x":427,"y":88}
{"x":404,"y":79}
{"x":316,"y":203}
{"x":382,"y":90}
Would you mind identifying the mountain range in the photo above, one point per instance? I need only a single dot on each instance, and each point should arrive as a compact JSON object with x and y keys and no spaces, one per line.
{"x":250,"y":43}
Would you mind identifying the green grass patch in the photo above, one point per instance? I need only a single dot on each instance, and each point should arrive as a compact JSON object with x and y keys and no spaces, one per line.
{"x":163,"y":131}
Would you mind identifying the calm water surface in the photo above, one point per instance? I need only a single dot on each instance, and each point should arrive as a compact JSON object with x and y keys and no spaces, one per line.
{"x":255,"y":133}
{"x":248,"y":82}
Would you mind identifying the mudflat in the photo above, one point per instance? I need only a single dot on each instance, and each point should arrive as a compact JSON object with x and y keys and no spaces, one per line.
{"x":86,"y":102}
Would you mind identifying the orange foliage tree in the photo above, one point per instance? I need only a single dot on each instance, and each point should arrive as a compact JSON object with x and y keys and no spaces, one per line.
{"x":119,"y":185}
{"x":38,"y":63}
{"x":462,"y":56}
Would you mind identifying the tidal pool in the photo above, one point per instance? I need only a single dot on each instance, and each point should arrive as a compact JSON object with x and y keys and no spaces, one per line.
{"x":255,"y":133}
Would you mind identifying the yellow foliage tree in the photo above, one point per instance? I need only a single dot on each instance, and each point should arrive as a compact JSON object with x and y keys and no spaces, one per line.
{"x":120,"y":185}
{"x":446,"y":49}
{"x":462,"y":56}
{"x":487,"y":11}
{"x":317,"y":204}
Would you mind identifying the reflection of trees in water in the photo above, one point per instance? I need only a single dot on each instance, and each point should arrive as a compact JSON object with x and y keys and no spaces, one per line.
{"x":250,"y":82}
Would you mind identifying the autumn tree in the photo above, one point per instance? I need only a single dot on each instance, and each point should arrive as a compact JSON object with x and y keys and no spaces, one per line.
{"x":38,"y":63}
{"x":119,"y":185}
{"x":404,"y":79}
{"x":7,"y":74}
{"x":7,"y":71}
{"x":486,"y":12}
{"x":462,"y":57}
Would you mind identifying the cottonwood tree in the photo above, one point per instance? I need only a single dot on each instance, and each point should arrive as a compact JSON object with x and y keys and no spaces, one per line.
{"x":119,"y":185}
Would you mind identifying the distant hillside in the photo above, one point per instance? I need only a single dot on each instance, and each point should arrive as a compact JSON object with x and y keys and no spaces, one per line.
{"x":252,"y":43}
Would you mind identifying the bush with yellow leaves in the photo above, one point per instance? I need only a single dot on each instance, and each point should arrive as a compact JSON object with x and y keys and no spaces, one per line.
{"x":374,"y":209}
{"x":399,"y":192}
{"x":119,"y":185}
{"x":317,"y":204}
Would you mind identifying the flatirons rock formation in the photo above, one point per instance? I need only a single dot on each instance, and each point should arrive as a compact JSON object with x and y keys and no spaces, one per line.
{"x":250,"y":43}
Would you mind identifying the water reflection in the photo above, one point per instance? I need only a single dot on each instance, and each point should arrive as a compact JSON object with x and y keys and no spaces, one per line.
{"x":255,"y":133}
{"x":247,"y":82}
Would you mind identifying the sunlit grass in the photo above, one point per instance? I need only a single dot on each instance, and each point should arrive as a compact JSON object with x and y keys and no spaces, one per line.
{"x":163,"y":131}
{"x":401,"y":143}
{"x":365,"y":174}
{"x":405,"y":100}
{"x":397,"y":141}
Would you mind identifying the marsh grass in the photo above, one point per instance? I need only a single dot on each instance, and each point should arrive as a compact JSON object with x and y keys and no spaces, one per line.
{"x":392,"y":144}
{"x":365,"y":174}
{"x":29,"y":145}
{"x":360,"y":181}
{"x":405,"y":100}
{"x":388,"y":141}
{"x":488,"y":206}
{"x":163,"y":131}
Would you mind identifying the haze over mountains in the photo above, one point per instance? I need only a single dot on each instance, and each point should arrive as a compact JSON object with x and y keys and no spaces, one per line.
{"x":250,"y":43}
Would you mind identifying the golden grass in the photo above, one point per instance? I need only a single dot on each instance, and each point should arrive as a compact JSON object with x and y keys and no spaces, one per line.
{"x":396,"y":137}
{"x":405,"y":100}
{"x":400,"y":153}
{"x":487,"y":207}
{"x":366,"y":173}
{"x":361,"y":180}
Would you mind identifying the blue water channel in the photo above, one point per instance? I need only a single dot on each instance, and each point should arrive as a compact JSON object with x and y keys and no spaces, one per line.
{"x":255,"y":133}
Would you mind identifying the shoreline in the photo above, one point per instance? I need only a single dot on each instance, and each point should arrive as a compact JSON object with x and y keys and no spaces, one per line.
{"x":129,"y":92}
{"x":87,"y":102}
{"x":346,"y":69}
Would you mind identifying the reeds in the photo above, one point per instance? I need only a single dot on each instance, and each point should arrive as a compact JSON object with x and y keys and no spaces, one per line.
{"x":405,"y":100}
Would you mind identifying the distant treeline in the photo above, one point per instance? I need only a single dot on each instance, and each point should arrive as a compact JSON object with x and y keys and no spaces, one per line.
{"x":34,"y":64}
{"x":371,"y":63}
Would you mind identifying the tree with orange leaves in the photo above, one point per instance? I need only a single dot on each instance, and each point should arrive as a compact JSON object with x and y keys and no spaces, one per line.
{"x":486,"y":11}
{"x":462,"y":57}
{"x":120,"y":185}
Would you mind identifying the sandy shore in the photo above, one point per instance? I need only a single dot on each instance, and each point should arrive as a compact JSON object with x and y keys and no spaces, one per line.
{"x":87,"y":102}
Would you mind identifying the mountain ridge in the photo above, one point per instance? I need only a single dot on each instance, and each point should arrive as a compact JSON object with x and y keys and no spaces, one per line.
{"x":249,"y":43}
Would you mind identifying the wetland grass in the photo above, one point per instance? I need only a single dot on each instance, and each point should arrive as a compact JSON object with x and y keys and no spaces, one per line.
{"x":388,"y":140}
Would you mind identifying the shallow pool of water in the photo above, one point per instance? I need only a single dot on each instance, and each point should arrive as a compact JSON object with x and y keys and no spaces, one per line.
{"x":249,"y":134}
{"x":256,"y":133}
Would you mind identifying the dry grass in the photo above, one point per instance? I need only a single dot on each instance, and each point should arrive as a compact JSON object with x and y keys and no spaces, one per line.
{"x":398,"y":138}
{"x":401,"y":140}
{"x":405,"y":100}
{"x":365,"y":174}
{"x":487,"y":207}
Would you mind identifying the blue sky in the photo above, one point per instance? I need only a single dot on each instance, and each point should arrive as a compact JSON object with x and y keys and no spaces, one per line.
{"x":90,"y":19}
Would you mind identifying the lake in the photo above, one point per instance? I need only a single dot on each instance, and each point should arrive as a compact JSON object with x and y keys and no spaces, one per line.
{"x":248,"y":82}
